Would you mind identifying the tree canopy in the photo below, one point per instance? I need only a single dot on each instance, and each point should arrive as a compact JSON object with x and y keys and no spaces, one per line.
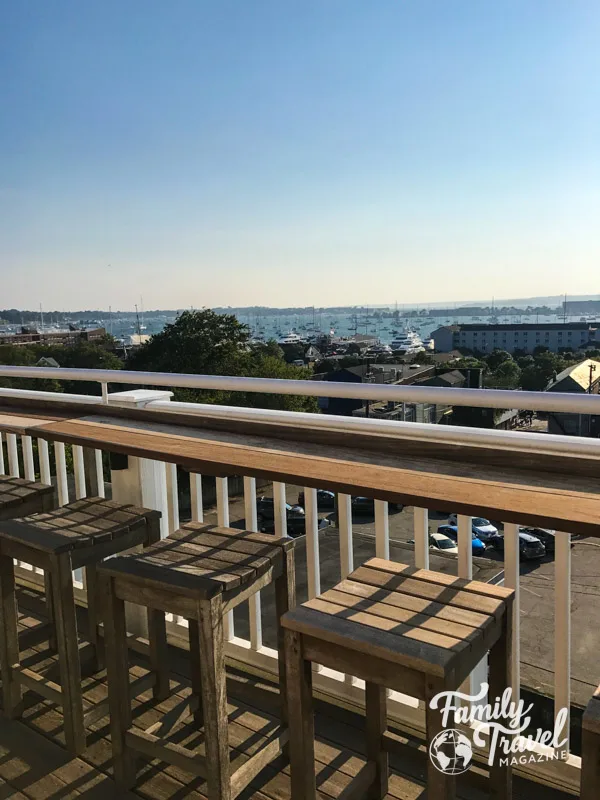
{"x":206,"y":343}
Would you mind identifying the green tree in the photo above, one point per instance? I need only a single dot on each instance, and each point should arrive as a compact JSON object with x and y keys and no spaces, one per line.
{"x":506,"y":376}
{"x":496,"y":358}
{"x":207,"y":343}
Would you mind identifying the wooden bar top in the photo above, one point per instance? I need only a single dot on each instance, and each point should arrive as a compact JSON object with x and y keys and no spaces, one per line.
{"x":528,"y":497}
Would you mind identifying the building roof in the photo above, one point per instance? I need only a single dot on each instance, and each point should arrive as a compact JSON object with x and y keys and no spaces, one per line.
{"x":452,"y":377}
{"x":579,"y":375}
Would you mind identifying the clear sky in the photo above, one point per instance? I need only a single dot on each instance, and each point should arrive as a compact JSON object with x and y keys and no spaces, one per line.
{"x":295,"y":152}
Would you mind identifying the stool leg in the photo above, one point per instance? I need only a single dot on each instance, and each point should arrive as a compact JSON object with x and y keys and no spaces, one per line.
{"x":500,"y":677}
{"x":196,"y":671}
{"x":68,"y":652}
{"x":301,"y":719}
{"x":91,"y":582}
{"x":214,"y":698}
{"x":119,"y":697}
{"x":376,"y":726}
{"x":9,"y":639}
{"x":439,"y":785}
{"x":285,"y":600}
{"x":50,"y":609}
{"x":159,"y":653}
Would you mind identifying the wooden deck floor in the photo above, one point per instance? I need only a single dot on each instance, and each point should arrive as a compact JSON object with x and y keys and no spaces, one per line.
{"x":33,"y":763}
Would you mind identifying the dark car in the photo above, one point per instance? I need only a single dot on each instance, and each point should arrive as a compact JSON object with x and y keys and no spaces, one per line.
{"x":325,"y":500}
{"x":529,"y":546}
{"x":366,"y":506}
{"x":545,"y":535}
{"x":265,"y":517}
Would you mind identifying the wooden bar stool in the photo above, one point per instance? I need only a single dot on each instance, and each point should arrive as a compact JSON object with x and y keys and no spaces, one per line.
{"x":20,"y":497}
{"x":397,"y":627}
{"x":80,"y":534}
{"x":200,"y":572}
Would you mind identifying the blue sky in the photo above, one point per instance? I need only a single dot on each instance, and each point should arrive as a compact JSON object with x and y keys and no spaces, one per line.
{"x":289,"y":153}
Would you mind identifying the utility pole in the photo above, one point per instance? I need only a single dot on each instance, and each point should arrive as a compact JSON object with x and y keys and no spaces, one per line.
{"x":592,"y":370}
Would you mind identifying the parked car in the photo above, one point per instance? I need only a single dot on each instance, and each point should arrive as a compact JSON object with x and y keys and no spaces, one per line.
{"x":482,"y":528}
{"x":265,"y":517}
{"x":545,"y":535}
{"x":451,"y":531}
{"x":325,"y":500}
{"x":366,"y":506}
{"x":529,"y":546}
{"x":439,"y":541}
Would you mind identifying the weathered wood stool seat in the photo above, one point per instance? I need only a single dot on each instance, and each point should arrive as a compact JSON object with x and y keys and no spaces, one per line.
{"x":80,"y":534}
{"x":200,"y":572}
{"x":397,"y":627}
{"x":20,"y":497}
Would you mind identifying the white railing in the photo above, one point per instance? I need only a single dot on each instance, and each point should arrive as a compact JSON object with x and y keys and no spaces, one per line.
{"x":160,"y":490}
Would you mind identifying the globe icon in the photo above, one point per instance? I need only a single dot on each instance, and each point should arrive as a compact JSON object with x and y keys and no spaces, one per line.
{"x":451,"y":752}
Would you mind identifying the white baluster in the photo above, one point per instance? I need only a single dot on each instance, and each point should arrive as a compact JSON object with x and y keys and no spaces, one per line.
{"x":28,"y":465}
{"x":313,"y":566}
{"x":13,"y":455}
{"x":421,"y":530}
{"x":562,"y":630}
{"x":44,"y":457}
{"x":222,"y":486}
{"x":465,"y":547}
{"x":512,"y":581}
{"x":61,"y":473}
{"x":172,"y":497}
{"x":2,"y":467}
{"x":196,"y":497}
{"x":79,"y":472}
{"x":382,"y":529}
{"x":100,"y":473}
{"x":465,"y":570}
{"x":344,"y":506}
{"x":251,"y":524}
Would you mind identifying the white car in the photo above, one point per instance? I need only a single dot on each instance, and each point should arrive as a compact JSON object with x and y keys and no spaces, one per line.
{"x":438,"y":541}
{"x":482,"y":528}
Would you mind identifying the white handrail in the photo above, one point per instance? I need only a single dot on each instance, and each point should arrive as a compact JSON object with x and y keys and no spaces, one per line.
{"x":481,"y":398}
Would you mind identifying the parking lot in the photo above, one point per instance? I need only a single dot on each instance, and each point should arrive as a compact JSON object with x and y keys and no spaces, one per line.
{"x":537,"y":591}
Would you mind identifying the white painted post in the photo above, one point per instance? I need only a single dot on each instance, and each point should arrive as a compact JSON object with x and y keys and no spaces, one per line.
{"x":421,"y":529}
{"x":222,"y":486}
{"x":44,"y":456}
{"x":79,"y":472}
{"x":13,"y":455}
{"x":28,"y":465}
{"x":172,"y":497}
{"x":465,"y":570}
{"x":196,"y":497}
{"x":382,"y":529}
{"x":100,"y":473}
{"x":512,"y":581}
{"x":279,"y":509}
{"x":344,"y":505}
{"x":313,"y":567}
{"x":562,"y":630}
{"x":2,"y":467}
{"x":61,"y":473}
{"x":251,"y":524}
{"x":465,"y":547}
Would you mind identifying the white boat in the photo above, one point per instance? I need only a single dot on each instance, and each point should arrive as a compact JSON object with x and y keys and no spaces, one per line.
{"x":291,"y":338}
{"x":407,"y":343}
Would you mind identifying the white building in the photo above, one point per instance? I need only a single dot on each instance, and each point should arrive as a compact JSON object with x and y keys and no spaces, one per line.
{"x":525,"y":336}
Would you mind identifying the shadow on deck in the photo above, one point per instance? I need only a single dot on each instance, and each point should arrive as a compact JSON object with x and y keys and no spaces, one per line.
{"x":33,"y":763}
